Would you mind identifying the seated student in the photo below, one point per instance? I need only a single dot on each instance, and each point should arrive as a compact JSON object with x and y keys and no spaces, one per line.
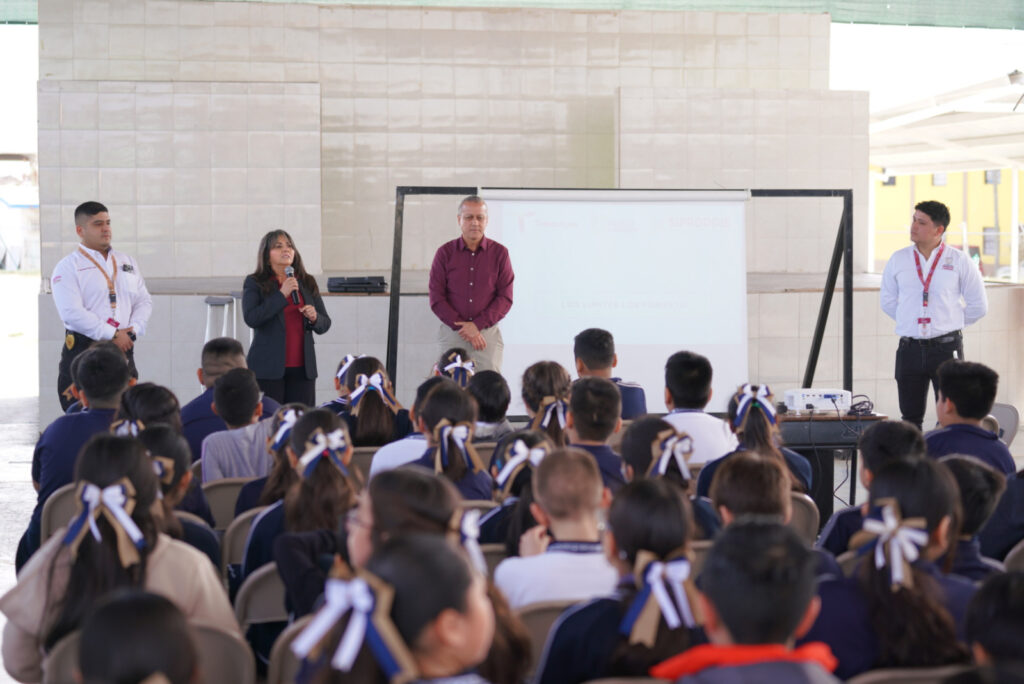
{"x":320,"y":451}
{"x":447,"y":420}
{"x":171,"y":459}
{"x":102,"y":378}
{"x":651,"y":447}
{"x":643,"y":621}
{"x":492,"y":396}
{"x":264,"y":491}
{"x":512,"y":466}
{"x":411,"y":447}
{"x":545,"y":392}
{"x":436,"y":626}
{"x":79,"y":565}
{"x":456,"y":365}
{"x":241,"y":450}
{"x":593,"y":417}
{"x":340,"y":403}
{"x":752,"y":417}
{"x":594,"y":350}
{"x":198,"y":418}
{"x":560,"y":558}
{"x":135,"y":636}
{"x":402,"y":501}
{"x":687,"y":392}
{"x":374,"y":417}
{"x":881,"y":443}
{"x":966,"y":392}
{"x":980,"y":486}
{"x":995,"y":621}
{"x":750,"y":485}
{"x":898,"y":609}
{"x":1005,"y":529}
{"x":757,"y":598}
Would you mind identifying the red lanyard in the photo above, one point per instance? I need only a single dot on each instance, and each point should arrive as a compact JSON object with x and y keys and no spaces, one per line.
{"x":110,"y":281}
{"x":926,"y":283}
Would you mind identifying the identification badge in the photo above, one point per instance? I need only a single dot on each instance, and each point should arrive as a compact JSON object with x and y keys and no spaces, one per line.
{"x":127,"y":268}
{"x":113,"y":323}
{"x":69,"y":341}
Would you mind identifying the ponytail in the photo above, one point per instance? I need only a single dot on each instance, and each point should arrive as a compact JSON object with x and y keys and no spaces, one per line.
{"x":546,"y":387}
{"x":371,"y":402}
{"x":326,"y":490}
{"x":752,"y":417}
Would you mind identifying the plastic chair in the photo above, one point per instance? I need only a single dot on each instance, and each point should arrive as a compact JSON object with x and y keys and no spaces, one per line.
{"x":1014,"y":561}
{"x":222,"y":495}
{"x":185,"y":516}
{"x":493,"y":554}
{"x":699,"y":553}
{"x":538,"y":619}
{"x":482,"y":505}
{"x":615,"y":441}
{"x":261,"y":598}
{"x":1009,"y":421}
{"x":58,"y":510}
{"x":61,"y":662}
{"x":909,"y":675}
{"x":232,"y":545}
{"x":485,"y":450}
{"x":847,"y":562}
{"x":223,"y":656}
{"x":197,"y":471}
{"x":805,"y":518}
{"x":361,"y":459}
{"x":284,"y":664}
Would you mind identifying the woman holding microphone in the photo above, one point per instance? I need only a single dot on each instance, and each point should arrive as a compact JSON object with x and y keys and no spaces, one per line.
{"x":282,"y":305}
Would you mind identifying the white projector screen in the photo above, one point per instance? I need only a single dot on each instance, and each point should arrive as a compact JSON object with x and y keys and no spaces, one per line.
{"x":663,"y":271}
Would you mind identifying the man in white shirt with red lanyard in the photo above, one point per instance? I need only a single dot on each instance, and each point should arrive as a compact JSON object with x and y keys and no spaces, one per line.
{"x":932,"y":291}
{"x":99,"y":293}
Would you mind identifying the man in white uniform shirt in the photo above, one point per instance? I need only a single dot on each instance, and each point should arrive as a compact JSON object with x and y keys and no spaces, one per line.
{"x":932,"y":291}
{"x":99,"y":293}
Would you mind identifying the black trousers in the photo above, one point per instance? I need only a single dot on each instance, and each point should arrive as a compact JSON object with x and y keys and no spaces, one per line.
{"x":293,"y":387}
{"x":75,"y":344}
{"x":917,"y":363}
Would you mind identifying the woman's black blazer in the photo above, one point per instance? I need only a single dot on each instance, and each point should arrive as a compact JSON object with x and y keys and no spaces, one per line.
{"x":264,"y":313}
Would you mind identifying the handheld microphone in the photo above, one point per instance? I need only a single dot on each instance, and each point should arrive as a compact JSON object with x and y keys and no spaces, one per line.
{"x":289,"y":272}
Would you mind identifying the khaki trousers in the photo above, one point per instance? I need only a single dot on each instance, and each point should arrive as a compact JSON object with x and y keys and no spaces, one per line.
{"x":488,"y":358}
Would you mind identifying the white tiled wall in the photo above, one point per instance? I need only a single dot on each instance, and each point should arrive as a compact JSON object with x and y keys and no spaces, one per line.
{"x":193,"y":173}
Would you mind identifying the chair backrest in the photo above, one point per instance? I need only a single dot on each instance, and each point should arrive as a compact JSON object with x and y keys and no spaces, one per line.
{"x":284,"y":664}
{"x":538,"y":619}
{"x":909,"y":675}
{"x":261,"y":597}
{"x":485,"y":450}
{"x":197,"y":471}
{"x":185,"y":516}
{"x":61,"y":662}
{"x":805,"y":519}
{"x":57,"y":511}
{"x":232,"y":545}
{"x":1009,"y":421}
{"x":615,"y":441}
{"x":493,"y":554}
{"x":223,"y":656}
{"x":361,"y":459}
{"x":847,"y":562}
{"x":1014,"y":561}
{"x":699,"y":551}
{"x":222,"y":495}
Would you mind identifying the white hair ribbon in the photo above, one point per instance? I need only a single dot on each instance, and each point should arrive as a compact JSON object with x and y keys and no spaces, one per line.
{"x":340,"y":597}
{"x":460,"y":371}
{"x":458,"y":433}
{"x":109,"y":501}
{"x":331,"y":445}
{"x":469,"y":531}
{"x":673,"y":573}
{"x":284,"y":429}
{"x":555,"y":408}
{"x":520,"y":455}
{"x":747,"y":396}
{"x":345,"y":363}
{"x":677,"y":447}
{"x":127,"y":428}
{"x":902,"y":542}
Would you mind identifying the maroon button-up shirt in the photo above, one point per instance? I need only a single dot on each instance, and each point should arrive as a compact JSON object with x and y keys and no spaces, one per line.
{"x":471,"y":286}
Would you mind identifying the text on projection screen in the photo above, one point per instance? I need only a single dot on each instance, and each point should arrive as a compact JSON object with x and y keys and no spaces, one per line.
{"x":663,"y":271}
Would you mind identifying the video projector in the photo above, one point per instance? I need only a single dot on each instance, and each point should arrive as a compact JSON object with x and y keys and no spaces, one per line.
{"x":810,"y":399}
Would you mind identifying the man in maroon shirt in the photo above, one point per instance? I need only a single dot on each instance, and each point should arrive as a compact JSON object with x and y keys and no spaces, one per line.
{"x":471,"y":288}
